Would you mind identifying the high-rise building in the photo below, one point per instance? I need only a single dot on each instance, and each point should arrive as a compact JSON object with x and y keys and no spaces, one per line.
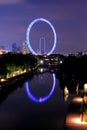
{"x":3,"y":50}
{"x":42,"y":46}
{"x":16,"y":48}
{"x":25,"y":49}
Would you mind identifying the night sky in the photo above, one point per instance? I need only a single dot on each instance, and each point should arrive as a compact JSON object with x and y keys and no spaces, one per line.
{"x":69,"y":18}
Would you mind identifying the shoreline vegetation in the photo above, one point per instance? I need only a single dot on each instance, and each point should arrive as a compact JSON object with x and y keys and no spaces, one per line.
{"x":70,"y":70}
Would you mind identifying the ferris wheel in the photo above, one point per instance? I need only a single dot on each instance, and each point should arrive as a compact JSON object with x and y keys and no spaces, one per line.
{"x":28,"y":35}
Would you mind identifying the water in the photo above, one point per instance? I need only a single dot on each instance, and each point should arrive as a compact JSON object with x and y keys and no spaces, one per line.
{"x":37,"y":104}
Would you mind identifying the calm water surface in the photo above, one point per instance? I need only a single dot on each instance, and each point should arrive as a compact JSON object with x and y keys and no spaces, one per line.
{"x":27,"y":107}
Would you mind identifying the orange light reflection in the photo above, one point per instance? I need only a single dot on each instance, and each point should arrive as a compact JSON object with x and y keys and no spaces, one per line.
{"x":77,"y":99}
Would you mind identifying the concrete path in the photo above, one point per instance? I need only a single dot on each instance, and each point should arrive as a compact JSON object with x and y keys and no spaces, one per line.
{"x":73,"y":117}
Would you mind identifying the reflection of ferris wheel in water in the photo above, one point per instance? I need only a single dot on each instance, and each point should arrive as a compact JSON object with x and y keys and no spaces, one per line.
{"x":40,"y":99}
{"x":28,"y":35}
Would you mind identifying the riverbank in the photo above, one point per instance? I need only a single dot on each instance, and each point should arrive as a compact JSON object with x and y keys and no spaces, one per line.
{"x":11,"y":84}
{"x":73,"y":117}
{"x":16,"y":79}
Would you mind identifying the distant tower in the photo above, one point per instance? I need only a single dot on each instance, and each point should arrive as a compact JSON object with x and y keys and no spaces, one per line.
{"x":42,"y":45}
{"x":25,"y":49}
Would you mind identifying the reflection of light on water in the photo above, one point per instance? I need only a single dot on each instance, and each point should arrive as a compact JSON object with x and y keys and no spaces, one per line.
{"x":41,"y":77}
{"x":41,"y":70}
{"x":66,"y":93}
{"x":66,"y":97}
{"x":41,"y":99}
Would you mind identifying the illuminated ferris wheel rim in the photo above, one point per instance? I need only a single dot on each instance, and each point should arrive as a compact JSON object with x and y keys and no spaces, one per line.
{"x":28,"y":35}
{"x":41,"y":99}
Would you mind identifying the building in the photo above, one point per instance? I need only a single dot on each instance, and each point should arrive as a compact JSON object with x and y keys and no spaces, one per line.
{"x":25,"y":49}
{"x":3,"y":51}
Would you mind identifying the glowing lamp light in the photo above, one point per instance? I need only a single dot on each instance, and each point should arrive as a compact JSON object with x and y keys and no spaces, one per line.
{"x":77,"y":99}
{"x":41,"y":62}
{"x":77,"y":121}
{"x":85,"y":87}
{"x":41,"y":70}
{"x":2,"y":80}
{"x":61,"y":61}
{"x":28,"y":34}
{"x":41,"y":99}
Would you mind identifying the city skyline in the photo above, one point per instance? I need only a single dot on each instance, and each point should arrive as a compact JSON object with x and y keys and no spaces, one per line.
{"x":68,"y":18}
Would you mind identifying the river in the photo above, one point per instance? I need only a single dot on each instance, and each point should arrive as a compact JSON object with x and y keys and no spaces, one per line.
{"x":37,"y":104}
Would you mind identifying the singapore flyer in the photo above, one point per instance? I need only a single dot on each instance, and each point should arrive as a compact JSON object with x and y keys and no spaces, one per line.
{"x":28,"y":35}
{"x":41,"y":99}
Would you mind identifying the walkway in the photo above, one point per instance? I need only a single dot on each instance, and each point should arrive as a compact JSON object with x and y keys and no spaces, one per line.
{"x":73,"y":118}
